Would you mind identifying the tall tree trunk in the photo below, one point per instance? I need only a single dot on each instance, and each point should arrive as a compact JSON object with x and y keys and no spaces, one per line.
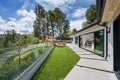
{"x":52,"y":29}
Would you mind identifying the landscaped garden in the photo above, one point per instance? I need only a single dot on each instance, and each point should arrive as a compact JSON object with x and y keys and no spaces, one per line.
{"x":57,"y":65}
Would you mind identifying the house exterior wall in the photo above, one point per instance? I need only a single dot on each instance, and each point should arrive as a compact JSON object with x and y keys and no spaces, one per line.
{"x":105,"y":43}
{"x":73,"y":40}
{"x":92,"y":30}
{"x":110,"y":44}
{"x":108,"y":41}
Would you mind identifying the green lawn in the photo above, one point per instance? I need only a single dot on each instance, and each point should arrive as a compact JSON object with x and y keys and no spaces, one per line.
{"x":57,"y":65}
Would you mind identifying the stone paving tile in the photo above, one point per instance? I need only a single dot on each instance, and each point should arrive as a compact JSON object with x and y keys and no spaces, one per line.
{"x":90,"y":67}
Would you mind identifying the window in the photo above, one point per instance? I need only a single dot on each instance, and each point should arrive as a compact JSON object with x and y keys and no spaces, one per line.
{"x":93,"y":42}
{"x":87,"y":41}
{"x":99,"y":42}
{"x":76,"y":39}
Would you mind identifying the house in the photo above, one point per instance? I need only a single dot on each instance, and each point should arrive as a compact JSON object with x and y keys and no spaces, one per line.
{"x":103,"y":36}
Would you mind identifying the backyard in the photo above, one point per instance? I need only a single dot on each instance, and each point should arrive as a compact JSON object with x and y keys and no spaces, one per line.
{"x":57,"y":65}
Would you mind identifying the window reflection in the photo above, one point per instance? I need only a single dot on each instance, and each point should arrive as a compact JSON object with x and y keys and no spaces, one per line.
{"x":99,"y":42}
{"x":93,"y":42}
{"x":87,"y":41}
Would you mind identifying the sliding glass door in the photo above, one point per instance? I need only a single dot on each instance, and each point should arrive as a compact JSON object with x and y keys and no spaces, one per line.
{"x":87,"y":41}
{"x":117,"y":45}
{"x":99,"y":42}
{"x":93,"y":41}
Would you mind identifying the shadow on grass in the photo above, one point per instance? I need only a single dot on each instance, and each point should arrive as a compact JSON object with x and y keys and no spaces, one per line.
{"x":81,"y":66}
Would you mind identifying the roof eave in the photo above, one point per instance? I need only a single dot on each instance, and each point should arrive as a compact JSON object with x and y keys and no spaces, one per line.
{"x":100,"y":8}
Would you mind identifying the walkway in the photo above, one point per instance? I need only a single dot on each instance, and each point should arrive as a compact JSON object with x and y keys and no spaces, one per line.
{"x":90,"y":67}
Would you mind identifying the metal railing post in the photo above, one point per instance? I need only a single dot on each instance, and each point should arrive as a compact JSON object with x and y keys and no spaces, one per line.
{"x":19,"y":50}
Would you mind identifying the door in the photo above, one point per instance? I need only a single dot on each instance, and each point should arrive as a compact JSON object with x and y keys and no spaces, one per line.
{"x":99,"y":42}
{"x":117,"y":45}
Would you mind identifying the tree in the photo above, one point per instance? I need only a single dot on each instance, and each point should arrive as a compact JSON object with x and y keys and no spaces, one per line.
{"x":84,"y":24}
{"x":36,"y":29}
{"x":8,"y":38}
{"x":13,"y":36}
{"x":74,"y":31}
{"x":52,"y":17}
{"x":50,"y":22}
{"x":66,"y":27}
{"x":40,"y":22}
{"x":60,"y":18}
{"x":61,"y":23}
{"x":90,"y":15}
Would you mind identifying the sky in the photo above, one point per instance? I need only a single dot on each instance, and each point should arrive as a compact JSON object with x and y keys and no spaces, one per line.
{"x":19,"y":14}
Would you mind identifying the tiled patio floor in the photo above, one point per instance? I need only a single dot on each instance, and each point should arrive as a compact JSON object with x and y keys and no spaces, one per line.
{"x":90,"y":67}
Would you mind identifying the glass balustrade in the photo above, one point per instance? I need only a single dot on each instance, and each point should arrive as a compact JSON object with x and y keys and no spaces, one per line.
{"x":15,"y":60}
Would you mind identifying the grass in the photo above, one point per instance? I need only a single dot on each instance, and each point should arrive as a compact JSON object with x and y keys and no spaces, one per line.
{"x":57,"y":65}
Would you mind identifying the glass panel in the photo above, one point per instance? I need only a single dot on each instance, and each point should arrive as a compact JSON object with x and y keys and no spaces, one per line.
{"x":76,"y":40}
{"x":31,"y":53}
{"x":15,"y":60}
{"x":9,"y":66}
{"x":99,"y":42}
{"x":87,"y":41}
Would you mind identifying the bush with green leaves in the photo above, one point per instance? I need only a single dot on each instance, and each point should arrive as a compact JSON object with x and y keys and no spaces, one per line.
{"x":12,"y":66}
{"x":11,"y":39}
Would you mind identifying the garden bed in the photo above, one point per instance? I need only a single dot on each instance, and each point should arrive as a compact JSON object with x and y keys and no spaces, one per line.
{"x":60,"y":43}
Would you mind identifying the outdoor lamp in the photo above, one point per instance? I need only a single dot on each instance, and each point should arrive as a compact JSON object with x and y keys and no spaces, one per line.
{"x":108,"y":29}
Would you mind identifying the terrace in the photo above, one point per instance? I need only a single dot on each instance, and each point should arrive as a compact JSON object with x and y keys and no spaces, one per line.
{"x":90,"y":67}
{"x":92,"y":55}
{"x":62,"y":64}
{"x":34,"y":61}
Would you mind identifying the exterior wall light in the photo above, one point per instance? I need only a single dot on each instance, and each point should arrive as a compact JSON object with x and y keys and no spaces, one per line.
{"x":108,"y":29}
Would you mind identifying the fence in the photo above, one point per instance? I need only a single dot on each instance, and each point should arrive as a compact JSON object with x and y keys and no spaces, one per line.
{"x":21,"y":63}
